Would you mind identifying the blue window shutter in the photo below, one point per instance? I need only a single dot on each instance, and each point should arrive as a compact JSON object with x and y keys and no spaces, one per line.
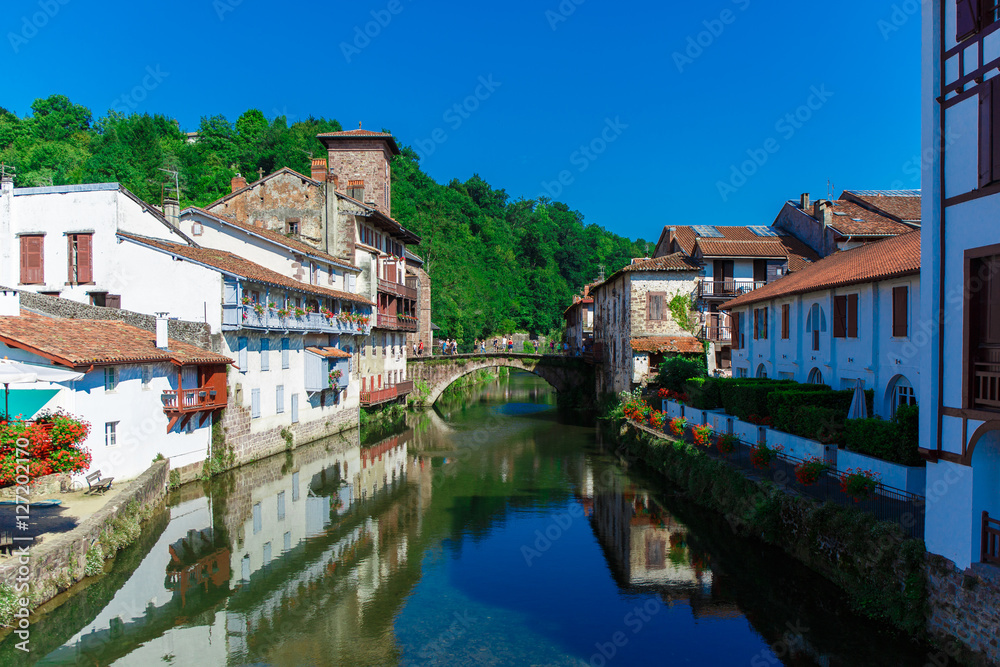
{"x":280,"y":399}
{"x":242,"y":354}
{"x":284,"y":352}
{"x":265,"y":354}
{"x":254,"y":403}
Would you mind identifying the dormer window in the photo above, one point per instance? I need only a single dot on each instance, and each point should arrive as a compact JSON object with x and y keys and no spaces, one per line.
{"x":292,"y":226}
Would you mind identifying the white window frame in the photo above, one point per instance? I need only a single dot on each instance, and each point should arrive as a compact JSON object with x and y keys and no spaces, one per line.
{"x":111,"y":434}
{"x":110,"y":379}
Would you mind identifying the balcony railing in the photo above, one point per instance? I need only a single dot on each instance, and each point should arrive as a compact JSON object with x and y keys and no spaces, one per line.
{"x":728,"y":288}
{"x":245,"y":317}
{"x":991,"y":540}
{"x":193,"y":400}
{"x":397,"y":289}
{"x":392,"y":321}
{"x":987,"y":385}
{"x":717,"y":334}
{"x":377,"y":396}
{"x":403,"y":388}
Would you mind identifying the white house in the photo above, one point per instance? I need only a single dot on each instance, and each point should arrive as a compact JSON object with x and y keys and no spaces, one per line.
{"x":959,"y":344}
{"x":143,"y":394}
{"x":847,"y":317}
{"x":634,"y":322}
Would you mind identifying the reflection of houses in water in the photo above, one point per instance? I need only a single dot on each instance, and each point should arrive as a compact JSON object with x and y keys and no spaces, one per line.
{"x":196,"y":562}
{"x":382,"y":465}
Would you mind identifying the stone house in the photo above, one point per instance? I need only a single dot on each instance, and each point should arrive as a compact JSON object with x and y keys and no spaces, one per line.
{"x":634,"y":324}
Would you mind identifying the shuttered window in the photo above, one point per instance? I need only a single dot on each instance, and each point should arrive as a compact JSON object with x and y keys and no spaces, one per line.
{"x":254,"y":403}
{"x":654,"y":306}
{"x":32,"y":260}
{"x":241,"y":351}
{"x":968,"y":19}
{"x":80,"y":247}
{"x":852,"y":315}
{"x":786,"y":313}
{"x":284,"y":352}
{"x":989,"y":132}
{"x":760,"y":323}
{"x":737,"y":322}
{"x":279,"y":399}
{"x":900,"y":311}
{"x":265,"y":354}
{"x":839,"y":316}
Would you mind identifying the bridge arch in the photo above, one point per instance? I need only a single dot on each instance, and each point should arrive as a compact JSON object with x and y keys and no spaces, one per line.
{"x":564,"y":374}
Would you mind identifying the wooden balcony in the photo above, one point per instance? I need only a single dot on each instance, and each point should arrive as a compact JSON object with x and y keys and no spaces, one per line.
{"x":395,"y":322}
{"x":377,"y":396}
{"x":991,"y":540}
{"x":193,"y":400}
{"x":727,"y":289}
{"x":717,"y":334}
{"x":397,"y":289}
{"x":403,"y":388}
{"x":986,"y":385}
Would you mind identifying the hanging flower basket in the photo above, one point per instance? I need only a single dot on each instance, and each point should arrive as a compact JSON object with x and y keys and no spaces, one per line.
{"x":702,"y":435}
{"x":678,"y":426}
{"x":859,"y":484}
{"x":809,"y":472}
{"x":762,"y":456}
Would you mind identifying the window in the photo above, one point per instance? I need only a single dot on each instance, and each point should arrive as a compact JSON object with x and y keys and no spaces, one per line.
{"x":982,"y":283}
{"x":110,"y":378}
{"x":241,"y":352}
{"x":285,"y":347}
{"x":279,"y":398}
{"x":147,"y":376}
{"x":973,"y":16}
{"x":292,"y":226}
{"x":32,"y":260}
{"x":281,"y":506}
{"x":266,"y":553}
{"x":356,"y":190}
{"x":845,"y":316}
{"x":815,"y":323}
{"x":257,"y":520}
{"x":265,"y":354}
{"x":989,"y":131}
{"x":900,"y":311}
{"x":786,"y":315}
{"x":110,"y":434}
{"x":295,"y":486}
{"x":760,"y":323}
{"x":902,"y":394}
{"x":762,"y":371}
{"x":255,"y":403}
{"x":741,"y":372}
{"x":654,"y":306}
{"x":295,"y":408}
{"x":737,"y":322}
{"x":815,"y":376}
{"x":80,"y":258}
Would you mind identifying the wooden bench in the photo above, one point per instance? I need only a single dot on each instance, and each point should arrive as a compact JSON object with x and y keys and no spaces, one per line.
{"x":98,"y":484}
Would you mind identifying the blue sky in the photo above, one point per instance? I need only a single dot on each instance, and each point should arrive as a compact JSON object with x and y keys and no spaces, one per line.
{"x":643,"y":110}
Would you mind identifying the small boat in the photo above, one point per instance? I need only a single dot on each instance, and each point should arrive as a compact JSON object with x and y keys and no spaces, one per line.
{"x":51,"y":502}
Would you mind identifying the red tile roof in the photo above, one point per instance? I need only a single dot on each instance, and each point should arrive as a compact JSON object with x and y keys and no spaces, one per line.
{"x":329,"y":352}
{"x":889,"y":258}
{"x":901,"y":205}
{"x":361,"y":134}
{"x":859,"y":221}
{"x":244,"y":268}
{"x":275,"y":237}
{"x":660,"y":344}
{"x":676,"y":262}
{"x":741,"y":241}
{"x":78,"y":343}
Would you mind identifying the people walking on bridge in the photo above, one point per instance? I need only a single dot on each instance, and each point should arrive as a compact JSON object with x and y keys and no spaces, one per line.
{"x":510,"y":345}
{"x":420,"y":348}
{"x":552,"y":346}
{"x":454,"y":346}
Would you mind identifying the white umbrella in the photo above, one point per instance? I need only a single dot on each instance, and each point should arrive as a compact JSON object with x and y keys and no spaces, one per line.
{"x":859,"y":406}
{"x":18,"y":372}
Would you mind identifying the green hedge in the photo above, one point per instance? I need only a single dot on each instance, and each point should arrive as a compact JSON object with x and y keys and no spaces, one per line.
{"x":704,"y":393}
{"x":676,"y":371}
{"x":895,"y":441}
{"x":744,"y":397}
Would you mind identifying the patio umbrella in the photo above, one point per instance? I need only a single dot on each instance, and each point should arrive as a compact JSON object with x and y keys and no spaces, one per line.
{"x":859,"y":406}
{"x":18,"y":372}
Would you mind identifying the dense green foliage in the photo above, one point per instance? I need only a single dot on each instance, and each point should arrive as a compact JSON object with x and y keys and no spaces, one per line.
{"x":675,"y":371}
{"x":894,"y":441}
{"x":497,"y":265}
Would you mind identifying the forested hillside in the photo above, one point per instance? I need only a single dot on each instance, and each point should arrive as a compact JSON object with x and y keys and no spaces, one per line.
{"x":497,"y":265}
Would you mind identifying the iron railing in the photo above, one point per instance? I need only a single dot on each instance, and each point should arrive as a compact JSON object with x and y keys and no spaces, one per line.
{"x":729,"y":288}
{"x":717,"y":334}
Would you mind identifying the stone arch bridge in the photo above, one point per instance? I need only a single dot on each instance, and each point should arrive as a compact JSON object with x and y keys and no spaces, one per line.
{"x":567,"y":375}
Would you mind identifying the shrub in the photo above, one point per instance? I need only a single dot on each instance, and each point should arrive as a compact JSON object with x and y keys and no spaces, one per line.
{"x":703,"y":393}
{"x":761,"y":456}
{"x":678,"y":425}
{"x":726,"y":444}
{"x":529,"y":347}
{"x":808,"y":472}
{"x":743,"y":397}
{"x":95,"y":560}
{"x":675,"y":371}
{"x":859,"y":484}
{"x":895,"y":441}
{"x":702,"y":435}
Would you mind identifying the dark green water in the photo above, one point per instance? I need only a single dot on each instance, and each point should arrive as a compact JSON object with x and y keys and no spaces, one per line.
{"x":491,"y":531}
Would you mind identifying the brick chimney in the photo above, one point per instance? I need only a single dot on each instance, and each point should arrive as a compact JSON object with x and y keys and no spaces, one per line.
{"x":822,"y":212}
{"x":805,"y":201}
{"x":319,"y":169}
{"x":238,"y":182}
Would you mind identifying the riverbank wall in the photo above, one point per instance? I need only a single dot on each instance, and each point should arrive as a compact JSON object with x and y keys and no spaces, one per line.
{"x":61,"y":561}
{"x":886,"y":575}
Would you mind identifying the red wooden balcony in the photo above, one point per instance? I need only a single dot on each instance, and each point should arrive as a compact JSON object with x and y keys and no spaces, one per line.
{"x":397,"y":289}
{"x":379,"y":396}
{"x":193,"y":400}
{"x":395,"y":322}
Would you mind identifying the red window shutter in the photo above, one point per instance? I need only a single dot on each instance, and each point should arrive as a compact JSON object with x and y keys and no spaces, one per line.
{"x":852,"y":316}
{"x":785,"y":315}
{"x":32,"y":260}
{"x":84,"y":258}
{"x":764,"y":312}
{"x":839,"y":316}
{"x":986,"y":133}
{"x":756,"y":322}
{"x":968,"y":18}
{"x":899,"y":311}
{"x":113,"y":301}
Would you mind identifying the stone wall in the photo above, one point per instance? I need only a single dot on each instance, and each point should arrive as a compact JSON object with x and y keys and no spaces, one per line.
{"x":668,"y":283}
{"x":195,"y":333}
{"x":424,"y":331}
{"x":59,"y":482}
{"x":964,"y":606}
{"x":248,"y":446}
{"x":59,"y":561}
{"x":363,"y":160}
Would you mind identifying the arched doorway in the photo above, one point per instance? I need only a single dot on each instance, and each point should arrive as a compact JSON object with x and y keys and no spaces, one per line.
{"x":815,"y":376}
{"x":899,"y":392}
{"x":761,"y":372}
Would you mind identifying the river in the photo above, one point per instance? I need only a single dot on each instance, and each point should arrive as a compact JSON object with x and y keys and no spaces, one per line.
{"x":491,"y":530}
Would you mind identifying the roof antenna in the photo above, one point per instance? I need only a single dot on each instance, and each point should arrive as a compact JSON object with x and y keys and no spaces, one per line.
{"x":829,"y":187}
{"x":359,"y":124}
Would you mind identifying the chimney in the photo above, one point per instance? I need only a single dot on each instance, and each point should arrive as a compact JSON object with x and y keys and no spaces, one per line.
{"x":10,"y":303}
{"x":319,"y":169}
{"x":172,"y":211}
{"x":6,"y":183}
{"x":161,"y":331}
{"x":238,"y":182}
{"x":805,"y":201}
{"x":822,"y":213}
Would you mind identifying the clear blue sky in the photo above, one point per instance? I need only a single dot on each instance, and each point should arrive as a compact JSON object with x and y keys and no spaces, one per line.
{"x":565,"y":78}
